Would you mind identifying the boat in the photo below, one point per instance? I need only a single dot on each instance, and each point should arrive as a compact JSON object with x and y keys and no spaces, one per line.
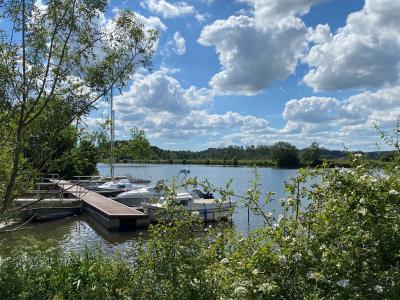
{"x":135,"y":197}
{"x":207,"y":208}
{"x":116,"y":185}
{"x":121,"y":185}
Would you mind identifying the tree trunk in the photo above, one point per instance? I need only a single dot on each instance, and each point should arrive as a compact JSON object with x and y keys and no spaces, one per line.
{"x":8,"y":197}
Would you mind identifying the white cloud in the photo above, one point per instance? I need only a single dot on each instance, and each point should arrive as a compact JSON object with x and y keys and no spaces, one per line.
{"x":320,"y":34}
{"x":176,"y":45}
{"x":364,"y":53}
{"x":166,"y":9}
{"x":349,"y":122}
{"x":180,"y":43}
{"x":256,"y":50}
{"x":313,"y":110}
{"x":161,"y":92}
{"x":201,"y":17}
{"x":159,"y":104}
{"x":331,"y":122}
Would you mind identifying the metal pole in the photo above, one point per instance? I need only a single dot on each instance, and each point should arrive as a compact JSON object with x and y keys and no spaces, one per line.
{"x":112,"y":135}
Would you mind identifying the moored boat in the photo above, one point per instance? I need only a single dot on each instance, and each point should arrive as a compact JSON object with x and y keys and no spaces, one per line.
{"x":122,"y":185}
{"x":208,"y":209}
{"x":137,"y":196}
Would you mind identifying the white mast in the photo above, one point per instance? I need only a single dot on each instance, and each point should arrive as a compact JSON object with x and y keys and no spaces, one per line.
{"x":112,"y":135}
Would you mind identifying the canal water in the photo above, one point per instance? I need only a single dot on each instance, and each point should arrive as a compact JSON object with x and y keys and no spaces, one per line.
{"x":76,"y":233}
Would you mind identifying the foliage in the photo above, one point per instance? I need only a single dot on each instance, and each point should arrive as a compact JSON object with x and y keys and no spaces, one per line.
{"x":56,"y":60}
{"x":139,"y":145}
{"x":38,"y":273}
{"x":336,"y":239}
{"x":311,"y":156}
{"x":285,"y":155}
{"x":77,"y":154}
{"x":344,"y":243}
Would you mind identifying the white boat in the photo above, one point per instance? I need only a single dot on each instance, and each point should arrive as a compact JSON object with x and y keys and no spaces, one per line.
{"x":122,"y":184}
{"x":137,"y":196}
{"x":207,"y":209}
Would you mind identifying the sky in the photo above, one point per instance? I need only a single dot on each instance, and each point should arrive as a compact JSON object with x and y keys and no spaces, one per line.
{"x":254,"y":72}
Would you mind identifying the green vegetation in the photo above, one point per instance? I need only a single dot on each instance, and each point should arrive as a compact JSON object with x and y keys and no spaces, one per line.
{"x":280,"y":154}
{"x":344,"y":244}
{"x":55,"y":63}
{"x":76,"y":154}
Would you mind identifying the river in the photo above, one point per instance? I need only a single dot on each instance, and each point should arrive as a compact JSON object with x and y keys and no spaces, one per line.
{"x":78,"y":232}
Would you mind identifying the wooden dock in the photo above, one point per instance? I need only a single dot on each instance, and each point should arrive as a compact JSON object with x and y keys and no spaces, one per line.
{"x":111,"y":214}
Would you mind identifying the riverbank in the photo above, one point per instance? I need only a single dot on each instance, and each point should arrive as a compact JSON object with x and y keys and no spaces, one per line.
{"x":340,"y":162}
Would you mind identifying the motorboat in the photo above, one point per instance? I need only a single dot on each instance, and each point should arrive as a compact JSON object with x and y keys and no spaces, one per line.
{"x":122,"y":184}
{"x":210,"y":209}
{"x":137,"y":196}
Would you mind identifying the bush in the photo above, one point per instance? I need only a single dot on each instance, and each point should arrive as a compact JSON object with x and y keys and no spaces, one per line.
{"x":339,"y":239}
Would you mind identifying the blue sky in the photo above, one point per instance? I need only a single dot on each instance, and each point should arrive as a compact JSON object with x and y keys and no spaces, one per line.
{"x":260,"y":71}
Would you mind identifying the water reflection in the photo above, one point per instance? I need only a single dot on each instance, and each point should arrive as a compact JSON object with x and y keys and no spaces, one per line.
{"x":76,"y":233}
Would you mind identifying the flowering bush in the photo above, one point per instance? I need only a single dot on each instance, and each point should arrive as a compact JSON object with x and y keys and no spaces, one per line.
{"x":338,"y":239}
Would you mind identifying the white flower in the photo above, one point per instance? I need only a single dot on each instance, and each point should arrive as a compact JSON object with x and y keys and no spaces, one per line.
{"x":310,"y":275}
{"x":362,"y":201}
{"x":224,"y":261}
{"x":290,"y":201}
{"x":282,"y":259}
{"x":255,"y":271}
{"x":195,"y":213}
{"x":195,"y":282}
{"x":358,"y":155}
{"x":297,"y":256}
{"x":378,"y":289}
{"x":240,"y":291}
{"x":310,"y":253}
{"x":393,"y":192}
{"x":362,"y":211}
{"x":266,"y":287}
{"x":343,"y":282}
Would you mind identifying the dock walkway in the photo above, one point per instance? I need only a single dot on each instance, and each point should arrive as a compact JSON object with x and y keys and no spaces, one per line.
{"x":111,"y":214}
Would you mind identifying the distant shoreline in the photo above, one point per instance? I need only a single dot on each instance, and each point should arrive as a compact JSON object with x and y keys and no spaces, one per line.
{"x":345,"y":163}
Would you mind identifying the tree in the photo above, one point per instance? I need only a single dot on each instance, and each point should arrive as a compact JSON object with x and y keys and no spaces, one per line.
{"x":139,"y":145}
{"x":285,"y":155}
{"x":77,"y":154}
{"x":311,"y":156}
{"x":57,"y":59}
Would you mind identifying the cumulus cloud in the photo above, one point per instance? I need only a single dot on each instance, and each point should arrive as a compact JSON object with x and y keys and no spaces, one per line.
{"x":256,"y":50}
{"x":161,"y":92}
{"x":159,"y":104}
{"x":180,"y":43}
{"x":329,"y":121}
{"x":320,"y":34}
{"x":364,"y":53}
{"x":167,"y":9}
{"x":349,"y":122}
{"x":313,"y":110}
{"x":176,"y":45}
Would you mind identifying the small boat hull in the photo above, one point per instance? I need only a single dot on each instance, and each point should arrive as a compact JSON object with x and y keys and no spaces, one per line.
{"x":224,"y":212}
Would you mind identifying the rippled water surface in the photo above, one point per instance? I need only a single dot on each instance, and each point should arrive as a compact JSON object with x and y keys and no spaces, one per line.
{"x":75,"y":233}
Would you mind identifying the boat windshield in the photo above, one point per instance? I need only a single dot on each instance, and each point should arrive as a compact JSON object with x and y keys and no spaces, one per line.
{"x":183,"y":202}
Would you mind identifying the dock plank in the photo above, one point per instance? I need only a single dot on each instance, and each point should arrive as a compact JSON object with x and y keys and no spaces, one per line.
{"x":108,"y":207}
